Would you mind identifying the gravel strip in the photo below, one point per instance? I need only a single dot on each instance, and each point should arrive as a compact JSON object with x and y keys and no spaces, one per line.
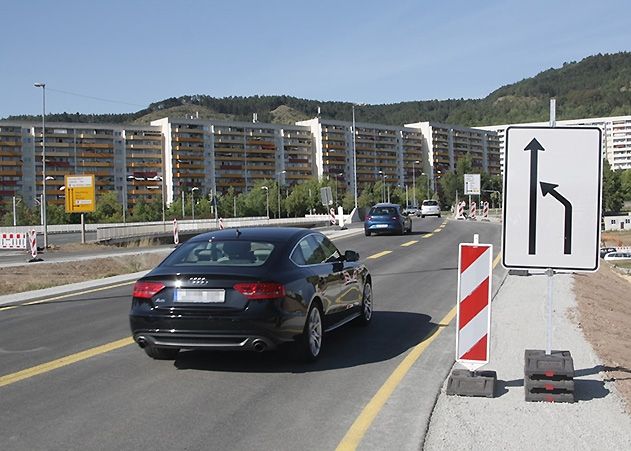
{"x":596,"y":421}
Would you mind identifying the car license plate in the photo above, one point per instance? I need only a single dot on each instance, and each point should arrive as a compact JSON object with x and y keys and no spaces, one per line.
{"x":200,"y":296}
{"x":381,"y":226}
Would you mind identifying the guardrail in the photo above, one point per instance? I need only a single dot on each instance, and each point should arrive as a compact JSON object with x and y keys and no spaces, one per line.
{"x":166,"y":228}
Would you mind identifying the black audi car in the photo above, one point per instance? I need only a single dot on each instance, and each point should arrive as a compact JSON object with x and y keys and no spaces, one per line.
{"x":250,"y":289}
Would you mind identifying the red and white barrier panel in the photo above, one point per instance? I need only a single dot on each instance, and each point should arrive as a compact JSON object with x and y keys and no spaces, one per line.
{"x":474,"y":305}
{"x":176,"y":235}
{"x":485,"y":211}
{"x":472,"y":211}
{"x":460,"y":210}
{"x":33,"y":241}
{"x":332,"y":217}
{"x":13,"y":241}
{"x":221,"y":226}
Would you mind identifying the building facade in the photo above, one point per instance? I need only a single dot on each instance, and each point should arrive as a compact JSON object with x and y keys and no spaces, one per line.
{"x":616,"y":137}
{"x":214,"y":156}
{"x":175,"y":156}
{"x":382,"y":152}
{"x":444,"y":144}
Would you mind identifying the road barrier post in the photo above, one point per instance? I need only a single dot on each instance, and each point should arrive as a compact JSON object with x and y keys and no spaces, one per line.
{"x":176,"y":236}
{"x":33,"y":242}
{"x":332,"y":217}
{"x":473,"y":331}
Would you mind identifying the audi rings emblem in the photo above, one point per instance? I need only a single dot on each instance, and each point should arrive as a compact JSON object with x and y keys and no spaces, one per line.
{"x":198,"y":280}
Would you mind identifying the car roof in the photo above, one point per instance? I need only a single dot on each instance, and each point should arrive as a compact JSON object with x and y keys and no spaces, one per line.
{"x":386,"y":204}
{"x":255,"y":233}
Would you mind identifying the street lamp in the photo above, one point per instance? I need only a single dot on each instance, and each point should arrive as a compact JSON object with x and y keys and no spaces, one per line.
{"x":354,"y":161}
{"x":383,"y":186}
{"x":43,"y":199}
{"x":278,"y":179}
{"x":414,"y":183}
{"x":193,"y":189}
{"x":267,"y":199}
{"x":337,"y":176}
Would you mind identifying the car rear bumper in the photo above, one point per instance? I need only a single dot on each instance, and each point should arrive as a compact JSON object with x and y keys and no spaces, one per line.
{"x":227,"y":333}
{"x":379,"y":228}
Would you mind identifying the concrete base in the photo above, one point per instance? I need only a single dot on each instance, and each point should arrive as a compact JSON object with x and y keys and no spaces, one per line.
{"x":548,"y":378}
{"x":518,"y":272}
{"x":472,"y":383}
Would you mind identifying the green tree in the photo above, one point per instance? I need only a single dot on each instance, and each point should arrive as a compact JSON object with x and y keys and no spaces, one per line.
{"x":625,"y":184}
{"x":108,"y":209}
{"x":613,"y":198}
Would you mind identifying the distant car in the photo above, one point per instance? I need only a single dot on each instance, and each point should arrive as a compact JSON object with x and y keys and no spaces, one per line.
{"x":250,"y":289}
{"x":412,"y":211}
{"x":618,"y":256}
{"x":387,"y":218}
{"x":430,"y":208}
{"x":606,"y":250}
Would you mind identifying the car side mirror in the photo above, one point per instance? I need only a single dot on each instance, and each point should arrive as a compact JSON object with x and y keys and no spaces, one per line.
{"x":351,"y":256}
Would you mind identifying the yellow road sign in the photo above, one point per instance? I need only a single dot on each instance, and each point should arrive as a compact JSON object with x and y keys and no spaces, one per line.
{"x":80,"y":197}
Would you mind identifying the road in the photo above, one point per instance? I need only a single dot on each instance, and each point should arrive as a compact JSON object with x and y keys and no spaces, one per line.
{"x":123,"y":400}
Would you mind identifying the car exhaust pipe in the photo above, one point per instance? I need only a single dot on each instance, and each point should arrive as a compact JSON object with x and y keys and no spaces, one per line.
{"x":142,"y":342}
{"x":259,"y":345}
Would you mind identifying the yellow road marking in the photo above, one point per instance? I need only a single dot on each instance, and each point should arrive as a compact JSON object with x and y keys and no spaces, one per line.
{"x":358,"y":429}
{"x":428,"y":235}
{"x":42,"y":301}
{"x":437,"y":230}
{"x":409,"y":243}
{"x":380,"y":254}
{"x":63,"y":361}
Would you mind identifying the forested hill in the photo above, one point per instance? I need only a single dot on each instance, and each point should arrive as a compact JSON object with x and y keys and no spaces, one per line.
{"x":597,"y":86}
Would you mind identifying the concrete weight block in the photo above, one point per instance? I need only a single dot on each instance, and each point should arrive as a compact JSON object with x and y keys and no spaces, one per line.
{"x":472,"y":383}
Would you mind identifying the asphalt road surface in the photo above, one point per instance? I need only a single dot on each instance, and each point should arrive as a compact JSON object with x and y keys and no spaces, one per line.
{"x":121,"y":399}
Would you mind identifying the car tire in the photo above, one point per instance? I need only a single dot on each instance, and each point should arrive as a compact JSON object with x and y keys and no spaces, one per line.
{"x":308,"y":347}
{"x":422,"y":216}
{"x":367,"y":232}
{"x":439,"y":216}
{"x":161,"y":353}
{"x":366,"y":306}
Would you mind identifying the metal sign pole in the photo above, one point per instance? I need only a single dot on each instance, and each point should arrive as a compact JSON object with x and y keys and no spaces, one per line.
{"x":550,"y":275}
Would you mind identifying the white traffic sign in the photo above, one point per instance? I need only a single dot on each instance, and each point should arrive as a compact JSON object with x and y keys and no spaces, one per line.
{"x":472,"y":184}
{"x":552,"y":198}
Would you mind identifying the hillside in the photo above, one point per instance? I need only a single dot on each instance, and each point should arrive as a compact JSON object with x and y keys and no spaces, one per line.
{"x":598,"y":85}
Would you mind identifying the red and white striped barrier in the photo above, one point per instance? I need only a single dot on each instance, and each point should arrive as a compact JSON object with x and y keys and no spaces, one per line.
{"x":13,"y":241}
{"x":221,"y":226}
{"x":460,"y":210}
{"x":485,"y":211}
{"x":33,"y":241}
{"x":472,"y":211}
{"x":176,"y":235}
{"x":332,"y":217}
{"x":474,"y":305}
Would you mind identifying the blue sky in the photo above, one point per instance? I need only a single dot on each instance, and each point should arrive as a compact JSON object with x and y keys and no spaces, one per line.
{"x":119,"y":56}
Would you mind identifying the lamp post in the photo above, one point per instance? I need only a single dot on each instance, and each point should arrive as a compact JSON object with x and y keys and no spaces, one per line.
{"x":383,"y":186}
{"x":193,"y":189}
{"x":336,"y":183}
{"x":44,"y":219}
{"x":267,"y":199}
{"x":354,"y":161}
{"x":278,"y":178}
{"x":414,"y":183}
{"x":427,"y":175}
{"x":183,"y":212}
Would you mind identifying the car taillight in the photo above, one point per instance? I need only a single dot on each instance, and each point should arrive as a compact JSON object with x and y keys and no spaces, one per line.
{"x":396,"y":218}
{"x":368,"y":218}
{"x":147,"y":290}
{"x":260,"y":290}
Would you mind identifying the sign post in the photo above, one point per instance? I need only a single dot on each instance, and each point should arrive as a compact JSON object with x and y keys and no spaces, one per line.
{"x":552,"y":195}
{"x":80,"y":197}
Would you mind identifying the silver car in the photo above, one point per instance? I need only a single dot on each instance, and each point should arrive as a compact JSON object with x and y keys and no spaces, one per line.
{"x":430,"y":208}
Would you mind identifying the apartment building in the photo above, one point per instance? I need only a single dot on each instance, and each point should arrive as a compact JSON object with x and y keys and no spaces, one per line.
{"x":444,"y":144}
{"x":382,"y":152}
{"x":616,"y":137}
{"x":215,"y":156}
{"x":122,"y":159}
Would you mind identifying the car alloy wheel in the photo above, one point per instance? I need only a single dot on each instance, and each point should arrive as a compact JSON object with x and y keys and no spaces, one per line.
{"x":314,"y":330}
{"x":367,"y":306}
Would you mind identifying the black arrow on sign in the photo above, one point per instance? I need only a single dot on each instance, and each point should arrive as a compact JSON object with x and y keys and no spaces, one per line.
{"x":567,"y":236}
{"x":534,"y":147}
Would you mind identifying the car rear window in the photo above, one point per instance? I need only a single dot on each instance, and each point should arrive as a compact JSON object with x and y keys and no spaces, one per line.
{"x":221,"y":253}
{"x":382,"y":211}
{"x":430,"y":203}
